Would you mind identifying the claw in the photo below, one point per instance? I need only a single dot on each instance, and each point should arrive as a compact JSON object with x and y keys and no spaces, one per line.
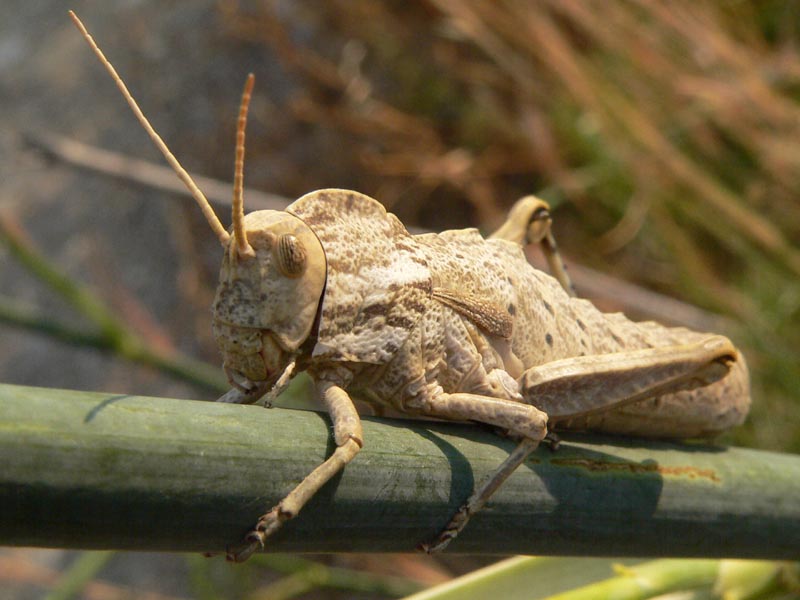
{"x":552,"y":440}
{"x":449,"y":533}
{"x":256,"y":537}
{"x":270,"y":522}
{"x":440,"y":543}
{"x":254,"y":540}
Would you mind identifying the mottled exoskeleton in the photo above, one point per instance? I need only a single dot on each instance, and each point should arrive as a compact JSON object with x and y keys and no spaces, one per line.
{"x":451,"y":326}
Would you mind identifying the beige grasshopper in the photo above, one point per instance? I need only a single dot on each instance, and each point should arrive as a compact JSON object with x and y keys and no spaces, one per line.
{"x":450,"y":326}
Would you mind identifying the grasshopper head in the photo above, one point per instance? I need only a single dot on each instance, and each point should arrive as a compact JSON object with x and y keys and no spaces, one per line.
{"x":267,"y":301}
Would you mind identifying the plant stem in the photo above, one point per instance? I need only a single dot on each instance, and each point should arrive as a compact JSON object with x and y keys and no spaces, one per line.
{"x":88,"y":470}
{"x":83,"y":570}
{"x":112,"y":334}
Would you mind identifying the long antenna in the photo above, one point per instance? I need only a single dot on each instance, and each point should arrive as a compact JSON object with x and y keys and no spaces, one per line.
{"x":208,"y":212}
{"x":243,"y":247}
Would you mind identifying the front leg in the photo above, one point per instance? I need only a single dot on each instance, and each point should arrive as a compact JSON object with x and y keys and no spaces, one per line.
{"x":349,"y":440}
{"x":518,"y":419}
{"x":244,"y":391}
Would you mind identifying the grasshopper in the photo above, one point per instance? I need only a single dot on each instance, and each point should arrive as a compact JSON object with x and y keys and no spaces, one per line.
{"x":450,"y":326}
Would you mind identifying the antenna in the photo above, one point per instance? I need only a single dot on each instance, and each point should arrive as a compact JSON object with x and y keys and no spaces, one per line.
{"x":208,"y":211}
{"x":243,"y":247}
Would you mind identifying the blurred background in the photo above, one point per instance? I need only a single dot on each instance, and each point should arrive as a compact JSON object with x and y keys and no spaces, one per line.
{"x":665,"y":135}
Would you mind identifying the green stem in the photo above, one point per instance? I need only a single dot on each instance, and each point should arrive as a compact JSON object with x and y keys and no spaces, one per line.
{"x":125,"y":346}
{"x":79,"y":297}
{"x":176,"y":364}
{"x":648,"y":580}
{"x":316,"y":574}
{"x":82,"y":571}
{"x":15,"y":314}
{"x":88,"y":470}
{"x":113,"y":334}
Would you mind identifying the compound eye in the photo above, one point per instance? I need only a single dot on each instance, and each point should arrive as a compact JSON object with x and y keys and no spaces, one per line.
{"x":291,"y":255}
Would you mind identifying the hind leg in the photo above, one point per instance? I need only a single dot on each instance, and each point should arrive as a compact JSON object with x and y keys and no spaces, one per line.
{"x":701,"y":412}
{"x":587,"y":392}
{"x":529,"y":222}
